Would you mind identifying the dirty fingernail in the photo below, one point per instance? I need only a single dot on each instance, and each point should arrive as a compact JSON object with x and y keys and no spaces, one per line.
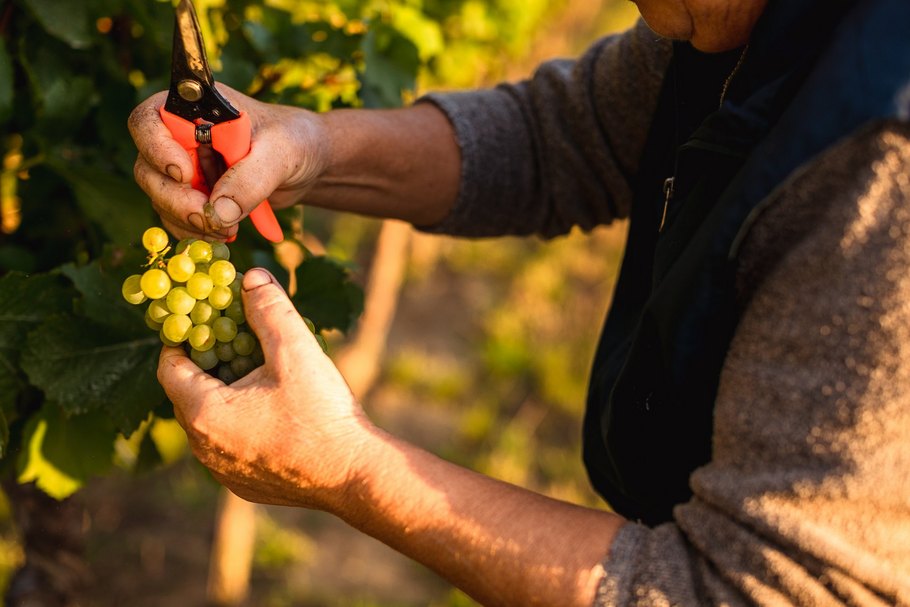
{"x":228,"y":210}
{"x":175,"y":173}
{"x":255,"y":278}
{"x":195,"y":220}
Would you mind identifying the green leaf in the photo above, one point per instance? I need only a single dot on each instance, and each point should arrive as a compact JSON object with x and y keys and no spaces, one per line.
{"x":113,"y":202}
{"x":425,"y":33}
{"x":84,"y":365}
{"x":326,"y":295}
{"x":65,"y":20}
{"x":391,"y":66}
{"x":61,"y":453}
{"x":25,"y":302}
{"x":6,"y":83}
{"x":102,"y":300}
{"x":66,"y":95}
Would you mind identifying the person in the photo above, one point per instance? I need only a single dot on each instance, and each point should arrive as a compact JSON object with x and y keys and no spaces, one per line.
{"x":749,"y":411}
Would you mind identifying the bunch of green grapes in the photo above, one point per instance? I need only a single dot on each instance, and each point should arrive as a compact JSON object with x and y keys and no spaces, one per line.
{"x":194,"y":299}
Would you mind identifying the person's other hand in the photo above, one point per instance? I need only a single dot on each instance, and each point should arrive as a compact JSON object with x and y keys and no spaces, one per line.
{"x":286,"y":154}
{"x":290,"y":431}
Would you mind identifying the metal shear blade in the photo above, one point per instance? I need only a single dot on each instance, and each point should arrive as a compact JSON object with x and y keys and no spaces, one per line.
{"x":192,"y":94}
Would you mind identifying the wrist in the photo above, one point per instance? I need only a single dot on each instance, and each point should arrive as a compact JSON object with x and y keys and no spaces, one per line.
{"x":309,"y":148}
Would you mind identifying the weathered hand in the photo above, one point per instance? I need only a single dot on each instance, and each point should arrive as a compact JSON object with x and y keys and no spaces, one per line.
{"x":288,"y":433}
{"x":287,"y":153}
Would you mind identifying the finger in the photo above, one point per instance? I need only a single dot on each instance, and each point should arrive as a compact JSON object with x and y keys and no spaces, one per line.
{"x":243,"y":187}
{"x":155,"y":142}
{"x":273,"y":317}
{"x":184,"y":383}
{"x":176,"y":200}
{"x":180,"y":207}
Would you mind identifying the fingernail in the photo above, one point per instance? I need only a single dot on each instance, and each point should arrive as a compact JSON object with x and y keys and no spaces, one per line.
{"x":195,"y":220}
{"x":228,"y":211}
{"x":174,"y":171}
{"x":255,"y":278}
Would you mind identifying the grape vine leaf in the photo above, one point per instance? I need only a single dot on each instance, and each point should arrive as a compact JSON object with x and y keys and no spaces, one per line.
{"x":84,"y":365}
{"x":66,"y":21}
{"x":25,"y":302}
{"x":325,"y":292}
{"x":391,"y":61}
{"x":60,"y":453}
{"x":101,"y":297}
{"x":326,"y":295}
{"x":113,"y":202}
{"x":65,"y":97}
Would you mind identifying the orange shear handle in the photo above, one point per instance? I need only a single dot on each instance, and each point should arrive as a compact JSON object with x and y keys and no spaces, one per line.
{"x":231,"y":139}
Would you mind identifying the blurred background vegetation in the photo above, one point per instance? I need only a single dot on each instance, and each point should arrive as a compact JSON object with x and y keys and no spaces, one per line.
{"x":486,"y":345}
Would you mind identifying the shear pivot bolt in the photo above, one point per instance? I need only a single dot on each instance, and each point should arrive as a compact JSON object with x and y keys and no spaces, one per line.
{"x":189,"y":90}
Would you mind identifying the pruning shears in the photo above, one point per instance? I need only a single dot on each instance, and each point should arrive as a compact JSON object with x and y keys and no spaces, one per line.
{"x":196,"y":113}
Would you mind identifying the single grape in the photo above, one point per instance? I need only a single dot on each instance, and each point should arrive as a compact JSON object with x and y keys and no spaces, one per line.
{"x":244,"y":344}
{"x":242,"y":365}
{"x":179,"y":301}
{"x":154,"y":240}
{"x":220,"y":251}
{"x":155,"y":283}
{"x":225,"y":329}
{"x":225,"y":351}
{"x":226,"y":375}
{"x":158,"y":310}
{"x":177,"y":327}
{"x":199,"y":285}
{"x":180,"y":268}
{"x":258,"y":356}
{"x":206,"y":360}
{"x":203,"y":313}
{"x":237,"y":285}
{"x":220,"y":297}
{"x":165,"y":340}
{"x":222,"y":272}
{"x":235,"y":312}
{"x":322,"y":343}
{"x":201,"y":338}
{"x":151,"y":324}
{"x":132,"y":290}
{"x":183,"y":244}
{"x":200,"y":251}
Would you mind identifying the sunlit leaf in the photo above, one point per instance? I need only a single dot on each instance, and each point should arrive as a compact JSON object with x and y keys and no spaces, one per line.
{"x":61,"y":453}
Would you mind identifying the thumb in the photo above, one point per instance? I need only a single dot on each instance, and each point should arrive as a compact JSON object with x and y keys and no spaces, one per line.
{"x":272,"y":316}
{"x":184,"y":383}
{"x":243,"y":187}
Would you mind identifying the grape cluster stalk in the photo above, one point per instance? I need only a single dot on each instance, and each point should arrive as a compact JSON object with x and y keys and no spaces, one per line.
{"x":194,"y":300}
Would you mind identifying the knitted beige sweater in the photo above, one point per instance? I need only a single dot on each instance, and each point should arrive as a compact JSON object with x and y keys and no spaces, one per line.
{"x":806,"y":500}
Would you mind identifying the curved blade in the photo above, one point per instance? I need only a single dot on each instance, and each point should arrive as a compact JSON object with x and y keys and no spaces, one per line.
{"x":192,"y":94}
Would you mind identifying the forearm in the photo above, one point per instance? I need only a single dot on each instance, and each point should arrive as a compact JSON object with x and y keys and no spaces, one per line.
{"x":402,"y":164}
{"x":501,"y":544}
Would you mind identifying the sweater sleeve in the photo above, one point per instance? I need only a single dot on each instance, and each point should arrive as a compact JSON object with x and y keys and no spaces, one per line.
{"x":806,"y":500}
{"x":558,"y":150}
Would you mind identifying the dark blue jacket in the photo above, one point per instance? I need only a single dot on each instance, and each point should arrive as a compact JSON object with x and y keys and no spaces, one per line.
{"x":813,"y":73}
